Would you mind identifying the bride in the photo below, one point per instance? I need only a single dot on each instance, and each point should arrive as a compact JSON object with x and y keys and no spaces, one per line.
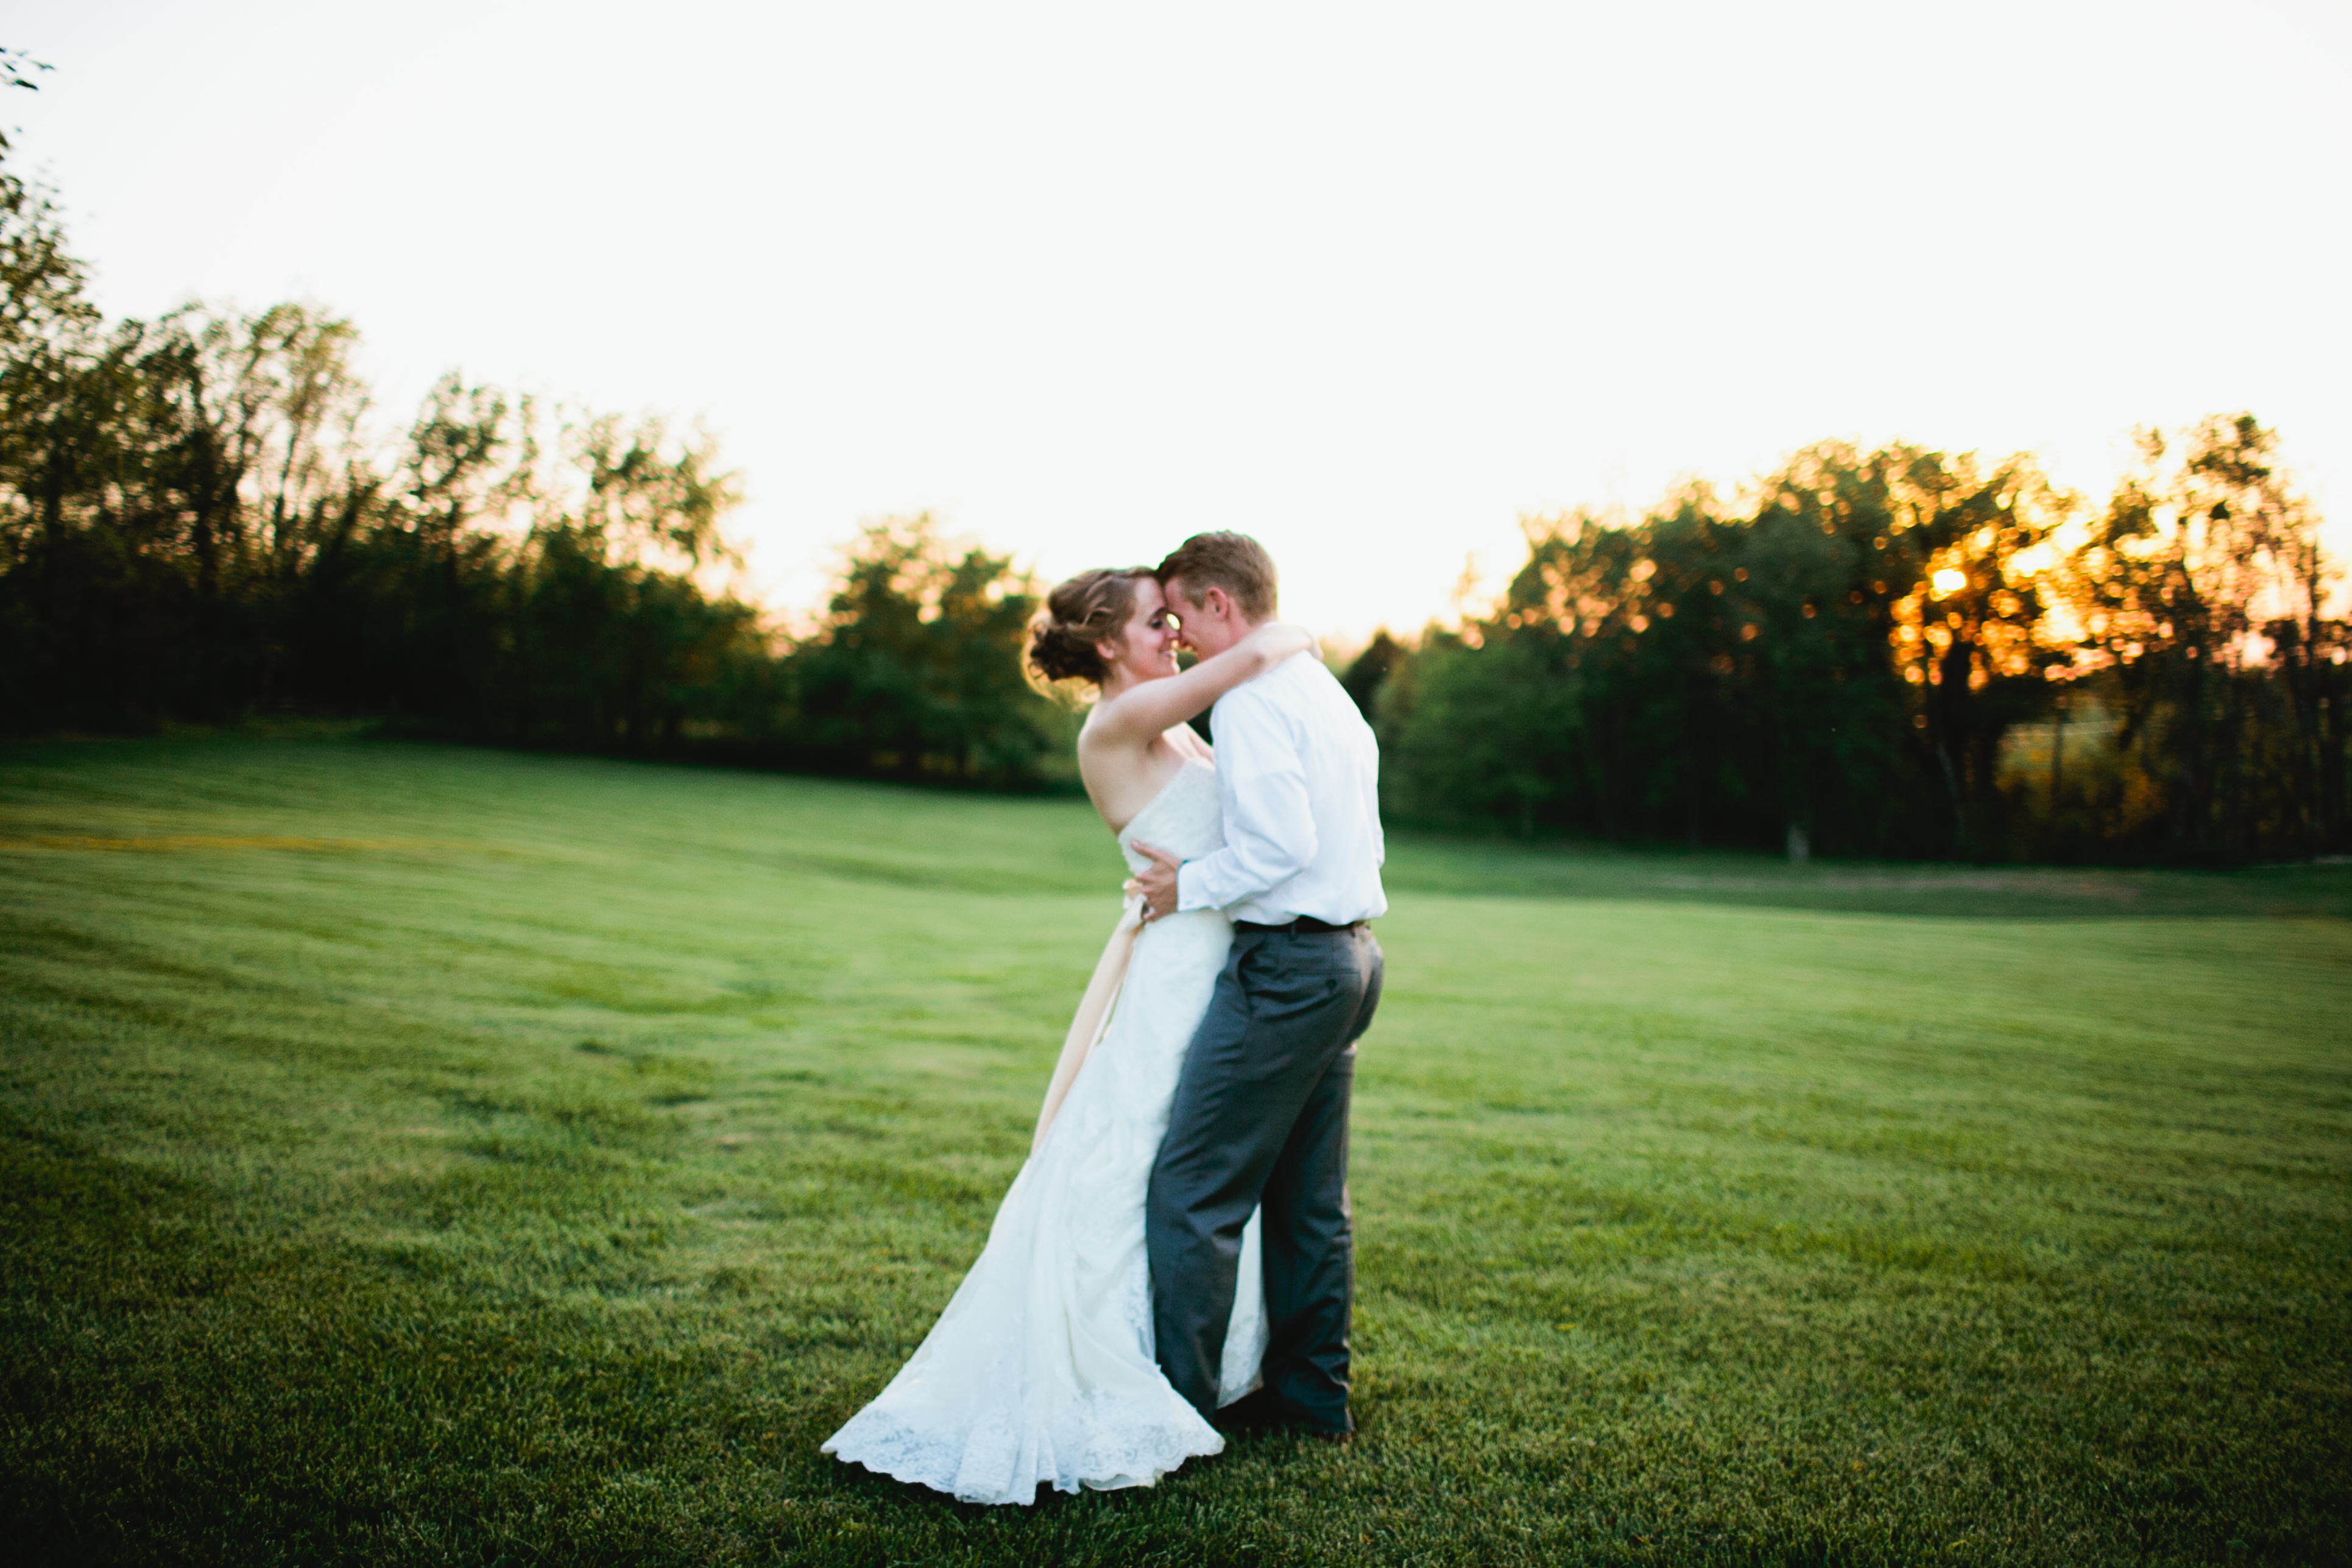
{"x":1041,"y":1370}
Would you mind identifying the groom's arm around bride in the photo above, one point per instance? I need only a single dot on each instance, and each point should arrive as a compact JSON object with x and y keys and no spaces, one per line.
{"x":1260,"y":1115}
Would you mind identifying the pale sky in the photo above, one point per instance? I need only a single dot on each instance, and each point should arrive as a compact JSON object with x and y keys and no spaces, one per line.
{"x":1367,"y":281}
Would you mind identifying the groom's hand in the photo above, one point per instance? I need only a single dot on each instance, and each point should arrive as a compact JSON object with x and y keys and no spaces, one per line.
{"x":1157,"y":882}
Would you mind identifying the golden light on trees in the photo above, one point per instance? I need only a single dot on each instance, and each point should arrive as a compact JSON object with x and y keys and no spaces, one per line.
{"x":1949,"y":580}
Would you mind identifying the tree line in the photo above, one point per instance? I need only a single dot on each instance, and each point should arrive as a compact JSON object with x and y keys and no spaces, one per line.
{"x":1904,"y":653}
{"x":1896,"y":652}
{"x":198,"y":523}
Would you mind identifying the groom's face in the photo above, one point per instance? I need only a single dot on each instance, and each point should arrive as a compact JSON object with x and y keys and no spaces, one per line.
{"x":1210,"y":623}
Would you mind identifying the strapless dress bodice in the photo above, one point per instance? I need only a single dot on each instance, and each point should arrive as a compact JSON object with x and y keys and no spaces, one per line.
{"x":1184,"y":818}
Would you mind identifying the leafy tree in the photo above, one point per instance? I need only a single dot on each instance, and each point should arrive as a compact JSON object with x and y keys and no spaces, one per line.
{"x":2199,"y":595}
{"x":1369,"y":668}
{"x":643,"y":493}
{"x":916,"y":669}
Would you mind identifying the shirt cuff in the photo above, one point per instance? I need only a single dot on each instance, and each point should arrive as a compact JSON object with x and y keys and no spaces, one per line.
{"x":1188,"y":887}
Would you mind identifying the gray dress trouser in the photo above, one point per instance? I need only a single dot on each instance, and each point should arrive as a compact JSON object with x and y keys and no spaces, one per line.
{"x":1260,"y":1118}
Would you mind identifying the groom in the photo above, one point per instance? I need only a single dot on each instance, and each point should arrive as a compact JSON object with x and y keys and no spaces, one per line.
{"x":1260,"y":1116}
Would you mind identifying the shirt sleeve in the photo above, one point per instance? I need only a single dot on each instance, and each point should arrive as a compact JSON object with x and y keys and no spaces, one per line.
{"x":1269,"y":829}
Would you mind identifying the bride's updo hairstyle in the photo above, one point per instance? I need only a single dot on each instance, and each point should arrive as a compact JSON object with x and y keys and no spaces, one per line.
{"x":1081,"y":614}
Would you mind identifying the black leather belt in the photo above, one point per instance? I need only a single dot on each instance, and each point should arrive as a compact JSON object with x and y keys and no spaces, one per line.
{"x":1303,"y":923}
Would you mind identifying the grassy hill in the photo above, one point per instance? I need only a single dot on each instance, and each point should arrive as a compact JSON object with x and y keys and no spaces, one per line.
{"x":423,"y":1155}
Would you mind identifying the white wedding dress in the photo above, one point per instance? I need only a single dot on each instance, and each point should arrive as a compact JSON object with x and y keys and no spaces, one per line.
{"x":1041,"y":1370}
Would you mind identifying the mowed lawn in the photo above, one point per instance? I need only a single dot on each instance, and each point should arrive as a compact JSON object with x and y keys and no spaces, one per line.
{"x":427,"y":1155}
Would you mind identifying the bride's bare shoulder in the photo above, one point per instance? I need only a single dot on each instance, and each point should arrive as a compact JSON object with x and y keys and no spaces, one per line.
{"x":1102,"y":743}
{"x":1122,"y":774}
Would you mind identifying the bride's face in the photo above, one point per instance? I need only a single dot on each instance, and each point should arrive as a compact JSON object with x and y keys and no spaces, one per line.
{"x":1145,"y":648}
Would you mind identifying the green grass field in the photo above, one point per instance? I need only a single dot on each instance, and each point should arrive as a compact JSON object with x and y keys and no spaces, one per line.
{"x":425,"y":1155}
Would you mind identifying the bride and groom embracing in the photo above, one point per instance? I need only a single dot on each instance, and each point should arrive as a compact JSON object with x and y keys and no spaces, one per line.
{"x":1175,"y":1255}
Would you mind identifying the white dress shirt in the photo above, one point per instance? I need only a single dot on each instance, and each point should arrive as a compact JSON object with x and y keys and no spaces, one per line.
{"x":1298,"y":774}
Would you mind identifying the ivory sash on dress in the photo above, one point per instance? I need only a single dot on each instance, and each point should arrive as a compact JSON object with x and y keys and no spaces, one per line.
{"x":1093,"y":1015}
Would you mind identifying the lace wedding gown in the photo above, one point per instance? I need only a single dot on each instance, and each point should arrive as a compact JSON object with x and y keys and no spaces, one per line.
{"x":1041,"y":1370}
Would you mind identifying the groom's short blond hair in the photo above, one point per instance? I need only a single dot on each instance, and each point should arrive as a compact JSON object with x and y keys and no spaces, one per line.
{"x":1233,"y":562}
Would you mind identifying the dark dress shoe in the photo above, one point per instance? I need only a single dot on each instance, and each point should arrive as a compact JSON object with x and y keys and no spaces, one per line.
{"x":1264,"y":1411}
{"x":1256,"y":1412}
